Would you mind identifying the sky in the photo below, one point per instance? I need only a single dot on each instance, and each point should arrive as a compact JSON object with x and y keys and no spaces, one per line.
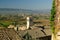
{"x":26,"y":4}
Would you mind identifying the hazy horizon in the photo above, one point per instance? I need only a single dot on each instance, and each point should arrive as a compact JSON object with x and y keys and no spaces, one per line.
{"x":26,"y":4}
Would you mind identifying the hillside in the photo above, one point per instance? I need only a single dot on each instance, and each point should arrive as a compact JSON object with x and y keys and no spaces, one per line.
{"x":26,"y":11}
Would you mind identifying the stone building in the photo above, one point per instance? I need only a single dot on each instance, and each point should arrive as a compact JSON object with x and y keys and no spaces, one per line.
{"x":36,"y":34}
{"x":8,"y":34}
{"x":57,"y":21}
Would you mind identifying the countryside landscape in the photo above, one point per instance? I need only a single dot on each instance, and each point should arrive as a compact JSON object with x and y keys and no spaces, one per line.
{"x":26,"y":20}
{"x":17,"y":20}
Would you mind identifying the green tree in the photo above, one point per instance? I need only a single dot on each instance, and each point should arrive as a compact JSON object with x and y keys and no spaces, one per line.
{"x":52,"y":18}
{"x":27,"y":36}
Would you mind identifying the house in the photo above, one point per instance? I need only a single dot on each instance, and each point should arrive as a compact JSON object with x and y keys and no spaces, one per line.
{"x":36,"y":34}
{"x":8,"y":34}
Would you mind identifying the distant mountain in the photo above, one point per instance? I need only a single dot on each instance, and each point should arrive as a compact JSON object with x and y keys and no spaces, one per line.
{"x":12,"y":10}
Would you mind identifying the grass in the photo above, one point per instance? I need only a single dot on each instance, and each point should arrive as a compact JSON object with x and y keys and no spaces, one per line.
{"x":5,"y":23}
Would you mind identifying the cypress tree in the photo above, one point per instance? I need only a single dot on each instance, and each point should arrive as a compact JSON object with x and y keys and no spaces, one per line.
{"x":27,"y":36}
{"x":52,"y":18}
